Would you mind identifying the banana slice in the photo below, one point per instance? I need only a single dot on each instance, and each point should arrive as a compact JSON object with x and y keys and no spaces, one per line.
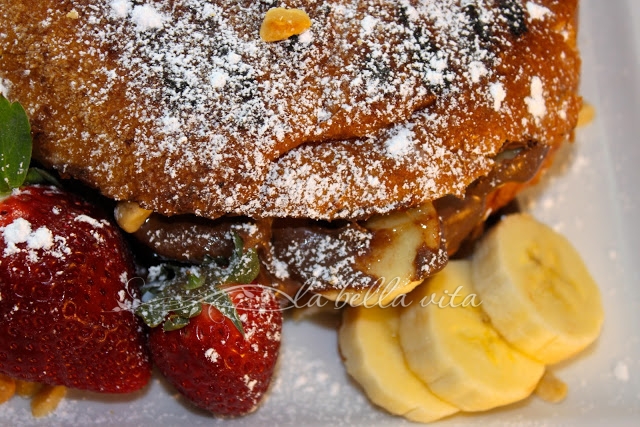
{"x":536,"y":290}
{"x":449,"y":343}
{"x":373,"y":357}
{"x":406,"y":248}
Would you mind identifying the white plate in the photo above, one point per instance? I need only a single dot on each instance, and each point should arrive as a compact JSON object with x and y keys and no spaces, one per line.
{"x":592,"y":198}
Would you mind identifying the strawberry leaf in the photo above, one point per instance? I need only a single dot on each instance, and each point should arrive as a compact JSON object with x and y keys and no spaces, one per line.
{"x":40,"y":176}
{"x":194,"y":282}
{"x":175,"y":322}
{"x":222,"y":301}
{"x":15,"y":145}
{"x":174,"y":301}
{"x":243,"y":267}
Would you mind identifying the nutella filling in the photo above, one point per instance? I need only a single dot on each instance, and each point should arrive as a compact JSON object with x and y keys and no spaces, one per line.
{"x":462,"y":218}
{"x":322,"y":256}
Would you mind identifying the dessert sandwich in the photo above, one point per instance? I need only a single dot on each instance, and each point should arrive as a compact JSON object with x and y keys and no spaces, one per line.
{"x":379,"y":107}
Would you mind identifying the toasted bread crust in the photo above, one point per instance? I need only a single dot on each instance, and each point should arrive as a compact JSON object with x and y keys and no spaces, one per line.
{"x":179,"y":106}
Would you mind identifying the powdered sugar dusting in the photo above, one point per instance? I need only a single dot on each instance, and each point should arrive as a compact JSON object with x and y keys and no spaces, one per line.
{"x":120,"y":8}
{"x":212,"y":355}
{"x":498,"y":94}
{"x":16,"y":232}
{"x":536,"y":102}
{"x":20,"y":238}
{"x":368,"y":24}
{"x":323,"y":260}
{"x":401,"y":143}
{"x":4,"y":87}
{"x":89,"y":220}
{"x":249,"y":382}
{"x":217,"y":115}
{"x":42,"y":238}
{"x":537,"y":11}
{"x":146,"y":17}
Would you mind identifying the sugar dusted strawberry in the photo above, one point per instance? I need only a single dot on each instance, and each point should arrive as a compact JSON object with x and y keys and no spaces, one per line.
{"x":220,"y":337}
{"x":64,"y":272}
{"x":63,"y":269}
{"x":212,"y":363}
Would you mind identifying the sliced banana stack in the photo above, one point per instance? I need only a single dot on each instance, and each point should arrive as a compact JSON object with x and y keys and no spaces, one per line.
{"x":478,"y":334}
{"x":368,"y":340}
{"x":450,"y":344}
{"x":536,"y":289}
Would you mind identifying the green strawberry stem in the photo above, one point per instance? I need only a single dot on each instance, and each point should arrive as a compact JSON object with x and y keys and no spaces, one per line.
{"x":176,"y":300}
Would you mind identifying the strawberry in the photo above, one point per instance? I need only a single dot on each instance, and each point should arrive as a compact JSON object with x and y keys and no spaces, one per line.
{"x":219,"y":343}
{"x":64,"y":270}
{"x":213,"y":364}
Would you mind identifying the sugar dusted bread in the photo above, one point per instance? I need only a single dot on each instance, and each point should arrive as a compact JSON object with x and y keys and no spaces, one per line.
{"x":180,"y":106}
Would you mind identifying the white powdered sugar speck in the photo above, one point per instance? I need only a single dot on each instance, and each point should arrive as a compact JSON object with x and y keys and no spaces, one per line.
{"x":477,"y":71}
{"x":89,"y":220}
{"x":212,"y":355}
{"x":218,"y":79}
{"x":20,"y":238}
{"x":401,"y":143}
{"x":120,"y":8}
{"x":234,"y":58}
{"x":498,"y":94}
{"x":536,"y":11}
{"x":42,"y":238}
{"x":306,"y":38}
{"x":536,"y":102}
{"x":249,"y":382}
{"x":368,"y":23}
{"x":146,"y":17}
{"x":4,"y":87}
{"x":16,"y":232}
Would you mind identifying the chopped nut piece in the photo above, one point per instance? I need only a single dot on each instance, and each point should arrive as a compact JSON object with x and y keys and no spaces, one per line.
{"x":47,"y":400}
{"x":27,"y":389}
{"x":551,"y":389}
{"x":280,"y":24}
{"x":73,"y":14}
{"x":130,"y":216}
{"x":586,"y":115}
{"x":7,"y":388}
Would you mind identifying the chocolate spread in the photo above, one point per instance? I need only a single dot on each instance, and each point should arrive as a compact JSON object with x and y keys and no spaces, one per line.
{"x":188,"y":238}
{"x":463,"y":217}
{"x":323,"y":255}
